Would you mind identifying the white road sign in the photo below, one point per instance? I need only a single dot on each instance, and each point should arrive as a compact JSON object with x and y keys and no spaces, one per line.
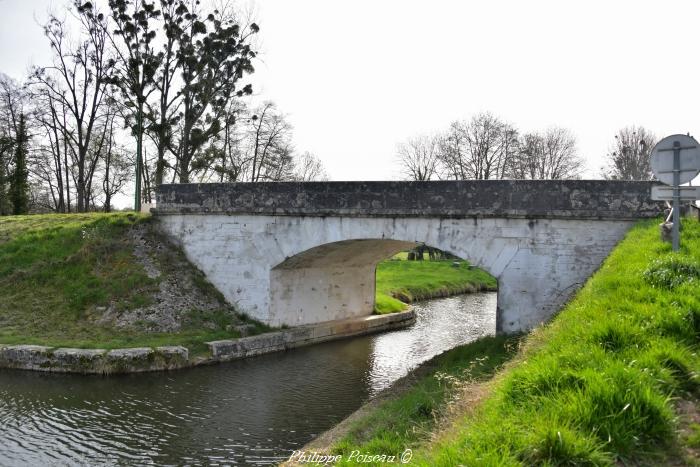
{"x":662,"y":158}
{"x":665,"y":193}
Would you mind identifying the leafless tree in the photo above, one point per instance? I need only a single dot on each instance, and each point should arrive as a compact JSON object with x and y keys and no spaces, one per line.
{"x":551,"y":155}
{"x":116,"y":166}
{"x":269,"y":151}
{"x":509,"y":146}
{"x":231,"y":161}
{"x":453,"y":152}
{"x":78,"y":81}
{"x":478,"y":149}
{"x":53,"y":166}
{"x":309,"y":168}
{"x":629,"y":157}
{"x":12,"y":100}
{"x":419,"y":157}
{"x":483,"y":135}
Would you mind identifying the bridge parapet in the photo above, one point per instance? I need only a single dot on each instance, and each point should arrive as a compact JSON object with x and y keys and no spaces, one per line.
{"x":551,"y":199}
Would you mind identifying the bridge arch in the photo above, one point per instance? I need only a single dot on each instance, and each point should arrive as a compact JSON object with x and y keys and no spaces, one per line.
{"x":331,"y":281}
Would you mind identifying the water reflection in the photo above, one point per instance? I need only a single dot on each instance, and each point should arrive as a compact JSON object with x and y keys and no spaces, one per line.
{"x":248,"y":412}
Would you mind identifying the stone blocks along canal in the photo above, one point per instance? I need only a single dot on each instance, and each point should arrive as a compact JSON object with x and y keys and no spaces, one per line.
{"x":140,"y":359}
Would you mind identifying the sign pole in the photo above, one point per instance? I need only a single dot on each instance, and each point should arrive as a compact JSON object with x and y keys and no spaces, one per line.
{"x":672,"y":171}
{"x":676,"y":195}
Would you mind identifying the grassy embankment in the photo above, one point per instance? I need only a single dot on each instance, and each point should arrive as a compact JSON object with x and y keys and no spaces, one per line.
{"x":400,"y":282}
{"x":612,"y":380}
{"x":57,"y":272}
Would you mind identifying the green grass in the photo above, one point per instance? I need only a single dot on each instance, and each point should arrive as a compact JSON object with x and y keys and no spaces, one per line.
{"x":400,"y":282}
{"x":598,"y":385}
{"x":409,"y":419}
{"x":56,"y":271}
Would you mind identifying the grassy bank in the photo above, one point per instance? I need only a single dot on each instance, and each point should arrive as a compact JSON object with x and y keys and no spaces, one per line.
{"x":60,"y":273}
{"x":612,"y":380}
{"x":400,"y":282}
{"x":70,"y":281}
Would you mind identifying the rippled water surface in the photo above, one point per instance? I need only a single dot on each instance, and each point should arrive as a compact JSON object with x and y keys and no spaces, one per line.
{"x":253,"y":411}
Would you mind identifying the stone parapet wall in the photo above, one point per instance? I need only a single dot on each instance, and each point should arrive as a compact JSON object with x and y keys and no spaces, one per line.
{"x":568,"y":199}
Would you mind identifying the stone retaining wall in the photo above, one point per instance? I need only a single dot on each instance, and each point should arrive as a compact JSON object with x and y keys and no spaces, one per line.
{"x":140,"y":359}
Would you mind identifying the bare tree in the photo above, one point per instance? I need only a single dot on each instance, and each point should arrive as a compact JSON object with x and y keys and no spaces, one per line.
{"x":419,"y":157}
{"x":232,"y":160}
{"x":78,"y":80}
{"x":478,"y":149}
{"x":453,"y":152}
{"x":51,"y":164}
{"x":269,"y":145}
{"x":309,"y":168}
{"x":509,"y":146}
{"x":629,"y":157}
{"x":551,"y":155}
{"x":11,"y":108}
{"x":117,"y":167}
{"x":484,"y":146}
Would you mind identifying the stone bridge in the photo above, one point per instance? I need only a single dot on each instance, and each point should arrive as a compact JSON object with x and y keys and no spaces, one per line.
{"x":301,"y":253}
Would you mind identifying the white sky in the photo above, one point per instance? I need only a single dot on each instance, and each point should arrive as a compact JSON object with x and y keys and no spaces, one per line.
{"x":357,"y":77}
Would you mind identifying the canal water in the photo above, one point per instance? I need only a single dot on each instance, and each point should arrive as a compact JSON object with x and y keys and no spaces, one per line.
{"x":247,"y":412}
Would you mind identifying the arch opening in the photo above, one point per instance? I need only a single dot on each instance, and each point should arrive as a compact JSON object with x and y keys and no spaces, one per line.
{"x":330,"y":282}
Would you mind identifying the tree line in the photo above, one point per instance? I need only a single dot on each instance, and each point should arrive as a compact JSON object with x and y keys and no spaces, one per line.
{"x":140,"y":92}
{"x":486,"y":147}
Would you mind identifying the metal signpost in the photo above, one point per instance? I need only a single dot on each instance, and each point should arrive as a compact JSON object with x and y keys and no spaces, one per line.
{"x":675,"y":160}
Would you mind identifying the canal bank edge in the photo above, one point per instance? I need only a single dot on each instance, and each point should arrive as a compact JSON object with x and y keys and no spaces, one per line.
{"x":141,"y":359}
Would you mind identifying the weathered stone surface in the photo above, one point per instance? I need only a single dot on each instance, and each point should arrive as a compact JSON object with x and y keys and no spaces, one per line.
{"x":302,"y":270}
{"x":130,"y":360}
{"x":78,"y":360}
{"x":171,"y":357}
{"x":244,"y":330}
{"x":25,"y":356}
{"x":224,"y":350}
{"x":135,"y":353}
{"x":34,"y":357}
{"x":568,"y":199}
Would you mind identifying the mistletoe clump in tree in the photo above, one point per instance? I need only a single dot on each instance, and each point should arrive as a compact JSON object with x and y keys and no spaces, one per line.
{"x":214,"y":54}
{"x":178,"y":72}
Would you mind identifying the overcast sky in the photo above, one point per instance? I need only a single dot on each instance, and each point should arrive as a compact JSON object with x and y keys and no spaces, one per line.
{"x":357,"y":77}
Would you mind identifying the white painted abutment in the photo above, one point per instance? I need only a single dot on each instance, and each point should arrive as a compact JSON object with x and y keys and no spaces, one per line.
{"x":275,"y":258}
